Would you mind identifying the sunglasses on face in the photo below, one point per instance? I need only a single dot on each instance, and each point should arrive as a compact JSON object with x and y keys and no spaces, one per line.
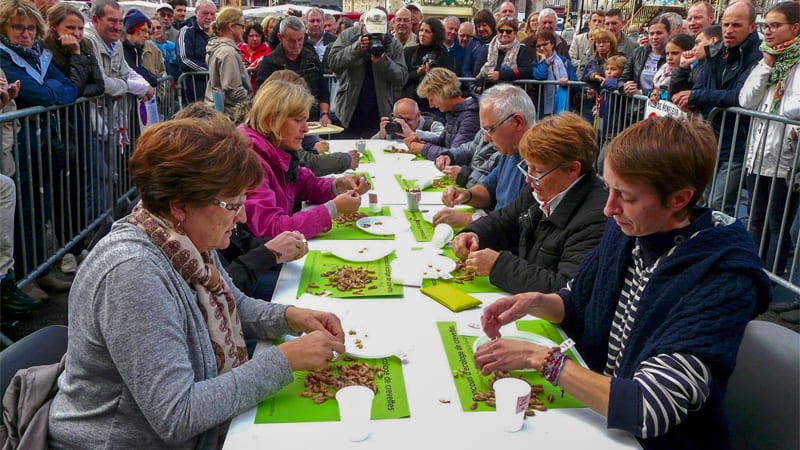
{"x":505,"y":31}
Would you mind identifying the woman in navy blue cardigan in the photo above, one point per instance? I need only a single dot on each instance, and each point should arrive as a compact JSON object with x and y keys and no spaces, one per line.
{"x":659,"y":308}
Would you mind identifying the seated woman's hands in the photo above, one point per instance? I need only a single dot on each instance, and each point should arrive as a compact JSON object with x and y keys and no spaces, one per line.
{"x":357,"y":183}
{"x":347,"y":202}
{"x":314,"y":350}
{"x":464,"y":243}
{"x":288,"y":246}
{"x":452,"y":217}
{"x":509,"y":354}
{"x":507,"y":310}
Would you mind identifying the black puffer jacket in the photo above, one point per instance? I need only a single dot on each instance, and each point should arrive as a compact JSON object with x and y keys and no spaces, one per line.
{"x":549,"y":251}
{"x":82,"y":69}
{"x":635,"y":65}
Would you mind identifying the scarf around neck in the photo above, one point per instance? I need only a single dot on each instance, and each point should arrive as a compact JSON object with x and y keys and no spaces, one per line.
{"x":786,"y":56}
{"x":214,"y":297}
{"x":495,"y":47}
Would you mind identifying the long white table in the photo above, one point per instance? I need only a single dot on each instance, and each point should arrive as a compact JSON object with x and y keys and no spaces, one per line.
{"x":408,"y":325}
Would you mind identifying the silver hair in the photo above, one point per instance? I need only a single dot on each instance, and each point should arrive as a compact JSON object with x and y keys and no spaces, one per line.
{"x":200,"y":3}
{"x":291,"y":22}
{"x":469,"y":24}
{"x":675,"y":20}
{"x":316,"y":10}
{"x":508,"y":99}
{"x":451,"y":18}
{"x":99,"y":7}
{"x":548,"y":12}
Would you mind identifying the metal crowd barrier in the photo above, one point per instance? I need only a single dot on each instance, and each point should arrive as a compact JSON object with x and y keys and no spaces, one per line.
{"x":71,"y":174}
{"x":61,"y":203}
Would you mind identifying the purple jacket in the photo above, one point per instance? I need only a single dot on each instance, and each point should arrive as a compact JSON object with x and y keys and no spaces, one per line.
{"x":270,"y":207}
{"x":461,"y":125}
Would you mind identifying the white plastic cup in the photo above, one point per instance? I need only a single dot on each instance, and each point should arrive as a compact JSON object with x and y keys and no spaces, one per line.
{"x":361,"y":146}
{"x":442,"y":234}
{"x":512,"y":396}
{"x":355,"y":408}
{"x":413,"y":198}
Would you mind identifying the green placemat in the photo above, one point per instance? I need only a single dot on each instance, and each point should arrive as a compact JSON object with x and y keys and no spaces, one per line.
{"x":445,"y":181}
{"x":349,"y":230}
{"x":461,"y":360}
{"x":317,"y":263}
{"x":420,"y":228}
{"x":287,"y":405}
{"x":367,"y":157}
{"x":475,"y":286}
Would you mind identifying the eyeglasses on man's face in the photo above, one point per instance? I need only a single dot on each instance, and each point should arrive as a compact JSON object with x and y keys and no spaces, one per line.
{"x":522,"y":166}
{"x":235,"y":207}
{"x":491,"y":130}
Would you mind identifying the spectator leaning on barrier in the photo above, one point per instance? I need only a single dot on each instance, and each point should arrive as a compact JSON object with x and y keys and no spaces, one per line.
{"x":504,"y":59}
{"x":506,"y":113}
{"x":718,"y":86}
{"x":658,"y":309}
{"x":552,"y":66}
{"x":644,"y":62}
{"x":409,"y":120}
{"x":772,"y":162}
{"x":226,"y":72}
{"x":71,"y":53}
{"x":191,"y":45}
{"x":684,"y":77}
{"x":137,"y":33}
{"x":293,"y":55}
{"x":537,"y":242}
{"x":443,"y":91}
{"x":371,"y":70}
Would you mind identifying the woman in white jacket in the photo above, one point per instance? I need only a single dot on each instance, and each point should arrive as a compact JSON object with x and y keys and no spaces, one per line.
{"x":226,"y":72}
{"x":773,"y":163}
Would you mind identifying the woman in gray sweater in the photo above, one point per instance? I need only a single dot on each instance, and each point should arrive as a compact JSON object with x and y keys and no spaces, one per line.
{"x":156,"y":355}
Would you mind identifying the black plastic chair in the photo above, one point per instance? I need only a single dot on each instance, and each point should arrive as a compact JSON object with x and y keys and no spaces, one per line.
{"x":42,"y":347}
{"x":763,"y":391}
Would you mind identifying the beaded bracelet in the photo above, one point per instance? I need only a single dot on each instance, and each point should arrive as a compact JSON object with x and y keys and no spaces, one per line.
{"x":553,"y":364}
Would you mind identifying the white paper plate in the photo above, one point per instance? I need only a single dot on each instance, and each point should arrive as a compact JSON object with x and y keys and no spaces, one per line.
{"x":437,"y":266}
{"x":362,"y":253}
{"x":401,"y":156}
{"x":314,"y":125}
{"x":382,"y":225}
{"x":517,"y":336}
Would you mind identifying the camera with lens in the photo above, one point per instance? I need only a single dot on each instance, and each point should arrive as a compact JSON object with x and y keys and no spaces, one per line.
{"x":429,"y":59}
{"x":393,"y":129}
{"x":376,"y":47}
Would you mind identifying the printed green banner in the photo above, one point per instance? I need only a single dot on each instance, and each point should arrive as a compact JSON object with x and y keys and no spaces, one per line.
{"x":317,"y":263}
{"x":349,"y":231}
{"x":287,"y":405}
{"x":468,"y":379}
{"x":473,"y":285}
{"x":438,"y":184}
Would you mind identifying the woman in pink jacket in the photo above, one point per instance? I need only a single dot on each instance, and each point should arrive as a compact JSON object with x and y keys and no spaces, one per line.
{"x":276,"y":125}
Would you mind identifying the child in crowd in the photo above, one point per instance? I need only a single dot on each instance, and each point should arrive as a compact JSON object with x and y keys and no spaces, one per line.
{"x":613,"y":70}
{"x":676,"y":45}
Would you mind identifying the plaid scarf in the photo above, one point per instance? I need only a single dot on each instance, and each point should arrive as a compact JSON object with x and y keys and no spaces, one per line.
{"x":787,"y":54}
{"x":214,"y":298}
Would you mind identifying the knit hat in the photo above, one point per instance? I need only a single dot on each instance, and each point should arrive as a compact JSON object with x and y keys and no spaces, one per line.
{"x":134,"y":18}
{"x":375,"y":21}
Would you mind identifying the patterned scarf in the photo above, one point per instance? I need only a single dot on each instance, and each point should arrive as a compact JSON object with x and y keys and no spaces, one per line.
{"x":787,"y":54}
{"x":510,"y":58}
{"x":214,"y":298}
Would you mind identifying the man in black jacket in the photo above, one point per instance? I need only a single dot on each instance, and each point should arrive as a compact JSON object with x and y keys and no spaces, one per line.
{"x":293,"y":54}
{"x":719,"y":82}
{"x":537,"y":242}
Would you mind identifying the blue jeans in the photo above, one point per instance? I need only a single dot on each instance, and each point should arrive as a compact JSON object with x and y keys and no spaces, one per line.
{"x":725,"y":186}
{"x":766,"y":222}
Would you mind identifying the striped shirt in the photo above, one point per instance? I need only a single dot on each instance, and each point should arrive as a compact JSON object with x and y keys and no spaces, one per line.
{"x":671,"y":384}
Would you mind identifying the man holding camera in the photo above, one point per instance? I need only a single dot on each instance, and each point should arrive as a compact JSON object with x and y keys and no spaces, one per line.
{"x":406,"y":120}
{"x":371,"y":69}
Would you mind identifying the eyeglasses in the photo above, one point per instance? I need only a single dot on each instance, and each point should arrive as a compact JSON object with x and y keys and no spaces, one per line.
{"x":543,"y":45}
{"x":773,"y":26}
{"x":22,"y":28}
{"x":537,"y":181}
{"x":237,"y":25}
{"x":505,"y":31}
{"x":235,"y":207}
{"x":156,"y":28}
{"x":489,"y":131}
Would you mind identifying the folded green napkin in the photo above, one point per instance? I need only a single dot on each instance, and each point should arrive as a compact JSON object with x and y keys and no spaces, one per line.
{"x":450,"y":297}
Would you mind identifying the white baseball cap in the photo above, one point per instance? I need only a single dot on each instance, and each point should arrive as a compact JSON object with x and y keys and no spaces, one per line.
{"x":375,"y":21}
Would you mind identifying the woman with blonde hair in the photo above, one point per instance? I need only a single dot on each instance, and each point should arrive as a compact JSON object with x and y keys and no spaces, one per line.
{"x":443,"y":90}
{"x":276,"y":125}
{"x":226,"y":72}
